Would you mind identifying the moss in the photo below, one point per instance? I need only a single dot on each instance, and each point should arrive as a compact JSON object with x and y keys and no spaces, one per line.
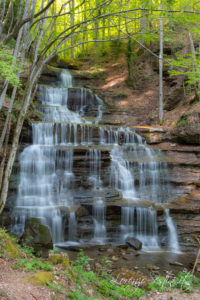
{"x":40,"y":278}
{"x":8,"y":246}
{"x":183,"y":120}
{"x":59,"y":258}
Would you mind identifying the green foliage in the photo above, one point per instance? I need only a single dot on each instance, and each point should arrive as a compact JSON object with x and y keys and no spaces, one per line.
{"x":159,"y":284}
{"x":8,"y":246}
{"x":186,"y":65}
{"x":58,"y":288}
{"x":186,"y":281}
{"x":113,"y":291}
{"x":82,"y":260}
{"x":9,"y":66}
{"x":183,"y":280}
{"x":101,"y":282}
{"x":78,"y":295}
{"x":32,"y":265}
{"x":55,"y":250}
{"x":122,"y":95}
{"x":183,"y":120}
{"x":105,"y":263}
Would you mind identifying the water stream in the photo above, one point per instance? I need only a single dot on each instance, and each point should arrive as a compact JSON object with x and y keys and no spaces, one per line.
{"x":55,"y":178}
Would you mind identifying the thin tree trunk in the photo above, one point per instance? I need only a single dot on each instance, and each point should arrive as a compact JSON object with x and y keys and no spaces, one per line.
{"x":195,"y":64}
{"x":161,"y":70}
{"x":10,"y":105}
{"x":72,"y":24}
{"x":4,"y":152}
{"x":15,"y":55}
{"x":96,"y":30}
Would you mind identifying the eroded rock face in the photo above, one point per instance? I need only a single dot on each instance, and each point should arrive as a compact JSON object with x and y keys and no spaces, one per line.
{"x":187,"y":129}
{"x":183,"y":163}
{"x":171,"y":100}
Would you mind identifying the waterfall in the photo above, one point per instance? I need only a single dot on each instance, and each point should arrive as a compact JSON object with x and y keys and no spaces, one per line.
{"x":77,"y":161}
{"x":72,"y":228}
{"x":127,"y":223}
{"x":99,"y":223}
{"x":172,"y":235}
{"x":66,"y":79}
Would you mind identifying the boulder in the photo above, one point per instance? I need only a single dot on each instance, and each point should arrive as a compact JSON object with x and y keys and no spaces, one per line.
{"x":82,"y":212}
{"x":171,"y":100}
{"x":134,"y":243}
{"x":37,"y":235}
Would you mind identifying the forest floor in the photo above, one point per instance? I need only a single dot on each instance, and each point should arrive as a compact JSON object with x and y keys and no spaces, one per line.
{"x":139,"y":100}
{"x":15,"y":286}
{"x":23,"y":276}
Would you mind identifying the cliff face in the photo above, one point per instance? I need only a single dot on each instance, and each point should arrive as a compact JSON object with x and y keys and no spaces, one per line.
{"x":180,"y":144}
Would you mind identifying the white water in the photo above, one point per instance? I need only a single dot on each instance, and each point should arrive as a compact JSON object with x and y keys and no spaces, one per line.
{"x":47,"y":185}
{"x":172,"y":235}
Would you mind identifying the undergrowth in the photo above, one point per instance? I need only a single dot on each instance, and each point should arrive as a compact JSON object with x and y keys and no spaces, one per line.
{"x":79,"y":282}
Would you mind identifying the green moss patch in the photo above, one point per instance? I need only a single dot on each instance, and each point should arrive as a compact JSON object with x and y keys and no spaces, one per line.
{"x":8,"y":245}
{"x":41,"y":278}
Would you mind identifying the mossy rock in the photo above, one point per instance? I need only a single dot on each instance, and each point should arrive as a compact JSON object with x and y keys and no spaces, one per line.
{"x":59,"y":258}
{"x":40,"y":278}
{"x":64,"y":63}
{"x":37,"y":235}
{"x":8,"y":246}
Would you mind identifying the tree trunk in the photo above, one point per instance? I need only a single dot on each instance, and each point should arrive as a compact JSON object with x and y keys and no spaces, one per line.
{"x":72,"y":24}
{"x":195,"y":64}
{"x":161,"y":70}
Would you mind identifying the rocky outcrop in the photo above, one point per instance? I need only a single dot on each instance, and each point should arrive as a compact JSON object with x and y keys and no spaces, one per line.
{"x":183,"y":163}
{"x":187,"y":129}
{"x":173,"y":99}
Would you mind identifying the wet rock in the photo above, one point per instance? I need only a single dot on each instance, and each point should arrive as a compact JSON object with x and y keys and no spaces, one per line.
{"x":102,"y":249}
{"x":176,"y":263}
{"x":171,"y":100}
{"x":115,"y":258}
{"x":74,"y":248}
{"x":155,"y":268}
{"x":123,"y":246}
{"x":37,"y":235}
{"x":82,"y":212}
{"x":135,"y":243}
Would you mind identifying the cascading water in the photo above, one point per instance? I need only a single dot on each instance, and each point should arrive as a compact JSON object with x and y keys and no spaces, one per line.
{"x":51,"y":187}
{"x":172,"y":236}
